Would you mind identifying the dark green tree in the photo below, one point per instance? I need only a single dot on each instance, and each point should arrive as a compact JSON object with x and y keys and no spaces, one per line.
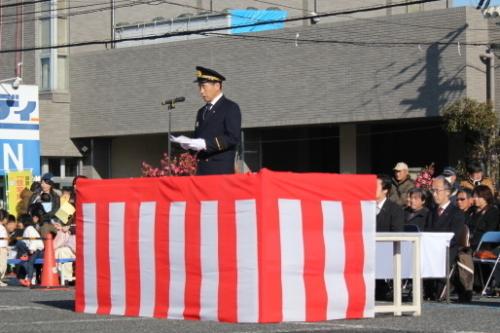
{"x":478,"y":123}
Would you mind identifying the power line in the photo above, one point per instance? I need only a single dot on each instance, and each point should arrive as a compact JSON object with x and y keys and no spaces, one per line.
{"x":127,"y":3}
{"x":208,"y":30}
{"x":23,"y":3}
{"x":279,"y":5}
{"x":286,"y":40}
{"x":377,"y":20}
{"x":106,"y":7}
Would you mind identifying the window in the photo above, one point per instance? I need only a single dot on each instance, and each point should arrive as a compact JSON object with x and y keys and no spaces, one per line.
{"x":45,"y":71}
{"x":63,"y":167}
{"x":53,"y":25}
{"x":55,"y":166}
{"x":71,"y":167}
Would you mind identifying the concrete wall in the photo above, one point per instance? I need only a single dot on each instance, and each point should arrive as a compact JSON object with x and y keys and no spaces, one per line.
{"x":280,"y":82}
{"x":477,"y":33}
{"x":128,"y":153}
{"x":55,"y":125}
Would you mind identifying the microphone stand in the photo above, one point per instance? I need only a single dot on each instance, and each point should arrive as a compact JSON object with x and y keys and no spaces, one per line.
{"x":170,"y":107}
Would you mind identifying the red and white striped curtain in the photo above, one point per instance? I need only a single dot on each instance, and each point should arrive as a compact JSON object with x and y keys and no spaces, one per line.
{"x":265,"y":247}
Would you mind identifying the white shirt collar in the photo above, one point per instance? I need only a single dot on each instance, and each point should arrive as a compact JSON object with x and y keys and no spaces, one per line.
{"x":381,"y":203}
{"x":443,"y":207}
{"x":216,"y":99}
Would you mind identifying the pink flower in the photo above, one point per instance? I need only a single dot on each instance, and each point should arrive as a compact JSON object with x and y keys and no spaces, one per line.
{"x":184,"y":164}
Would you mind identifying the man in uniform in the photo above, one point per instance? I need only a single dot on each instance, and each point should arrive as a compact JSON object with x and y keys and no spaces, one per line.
{"x":218,"y":126}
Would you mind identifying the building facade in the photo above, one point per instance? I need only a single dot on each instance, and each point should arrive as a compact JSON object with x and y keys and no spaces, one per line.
{"x":346,"y":93}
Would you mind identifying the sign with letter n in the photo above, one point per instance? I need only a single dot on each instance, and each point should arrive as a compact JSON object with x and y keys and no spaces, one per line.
{"x":19,"y":129}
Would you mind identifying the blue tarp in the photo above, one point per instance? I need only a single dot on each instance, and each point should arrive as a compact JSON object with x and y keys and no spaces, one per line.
{"x":242,"y":17}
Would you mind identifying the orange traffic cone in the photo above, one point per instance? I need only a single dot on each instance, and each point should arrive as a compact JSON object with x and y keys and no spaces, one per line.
{"x":50,"y":278}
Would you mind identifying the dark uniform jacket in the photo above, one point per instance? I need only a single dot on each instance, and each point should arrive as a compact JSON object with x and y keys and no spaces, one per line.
{"x":221,"y":130}
{"x":452,"y":219}
{"x":418,"y":218}
{"x":390,"y":217}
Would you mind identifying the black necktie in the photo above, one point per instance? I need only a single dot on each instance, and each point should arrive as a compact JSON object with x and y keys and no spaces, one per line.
{"x":207,"y":108}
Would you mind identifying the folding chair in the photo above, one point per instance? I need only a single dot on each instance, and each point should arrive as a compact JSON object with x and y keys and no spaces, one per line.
{"x":490,"y":237}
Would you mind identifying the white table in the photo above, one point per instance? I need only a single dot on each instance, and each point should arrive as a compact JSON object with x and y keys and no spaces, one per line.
{"x":395,"y":239}
{"x":434,"y":253}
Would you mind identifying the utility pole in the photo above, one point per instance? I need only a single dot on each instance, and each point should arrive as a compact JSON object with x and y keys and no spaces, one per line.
{"x":113,"y":24}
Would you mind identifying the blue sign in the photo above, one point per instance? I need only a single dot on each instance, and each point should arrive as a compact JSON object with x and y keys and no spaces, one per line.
{"x":19,"y":129}
{"x":242,"y":20}
{"x":20,"y":155}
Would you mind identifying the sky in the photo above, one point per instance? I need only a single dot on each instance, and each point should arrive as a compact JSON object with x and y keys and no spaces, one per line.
{"x":473,"y":3}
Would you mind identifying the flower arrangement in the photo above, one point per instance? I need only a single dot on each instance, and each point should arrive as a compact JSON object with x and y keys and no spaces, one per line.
{"x":183,"y":165}
{"x":424,"y":178}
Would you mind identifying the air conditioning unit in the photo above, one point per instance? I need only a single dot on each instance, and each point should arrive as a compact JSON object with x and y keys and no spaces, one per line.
{"x":491,"y":12}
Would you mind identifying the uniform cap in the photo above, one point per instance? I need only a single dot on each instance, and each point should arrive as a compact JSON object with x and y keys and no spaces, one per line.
{"x":207,"y":75}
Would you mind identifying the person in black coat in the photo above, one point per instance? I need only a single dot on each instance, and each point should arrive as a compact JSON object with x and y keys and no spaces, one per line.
{"x":446,"y":217}
{"x":417,"y":214}
{"x":485,"y":218}
{"x":465,"y":203}
{"x":390,"y":216}
{"x":218,"y":126}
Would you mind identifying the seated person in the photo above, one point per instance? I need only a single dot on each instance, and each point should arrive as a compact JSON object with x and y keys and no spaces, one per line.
{"x":64,"y":247}
{"x":34,"y":248}
{"x":417,"y":214}
{"x":485,"y":217}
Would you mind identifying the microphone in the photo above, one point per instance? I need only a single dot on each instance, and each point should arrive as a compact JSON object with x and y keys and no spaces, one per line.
{"x":173,"y":100}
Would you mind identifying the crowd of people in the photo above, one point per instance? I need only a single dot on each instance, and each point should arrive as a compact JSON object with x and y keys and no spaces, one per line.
{"x":38,"y":214}
{"x":442,"y":203}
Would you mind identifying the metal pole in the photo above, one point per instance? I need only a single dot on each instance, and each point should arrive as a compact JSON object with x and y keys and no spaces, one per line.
{"x":113,"y":24}
{"x":169,"y":149}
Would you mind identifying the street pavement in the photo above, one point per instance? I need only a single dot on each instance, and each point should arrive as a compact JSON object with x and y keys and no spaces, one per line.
{"x":36,"y":310}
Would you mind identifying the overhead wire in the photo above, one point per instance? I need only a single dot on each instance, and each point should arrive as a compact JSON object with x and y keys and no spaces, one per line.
{"x":105,"y":7}
{"x":23,"y":3}
{"x":278,"y":5}
{"x":211,"y":30}
{"x":288,"y":40}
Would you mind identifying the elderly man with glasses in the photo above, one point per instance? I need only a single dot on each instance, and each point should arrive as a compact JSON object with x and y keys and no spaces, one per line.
{"x":446,"y":217}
